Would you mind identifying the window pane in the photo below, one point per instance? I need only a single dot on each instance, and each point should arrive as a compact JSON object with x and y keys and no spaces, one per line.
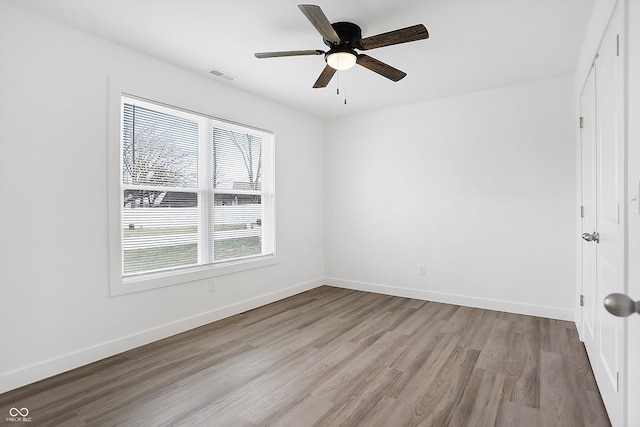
{"x":237,"y":226}
{"x":193,"y":193}
{"x":160,"y":230}
{"x":237,"y":160}
{"x":158,"y":148}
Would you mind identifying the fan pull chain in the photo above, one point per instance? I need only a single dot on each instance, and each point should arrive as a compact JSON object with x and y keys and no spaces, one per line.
{"x":345,"y":93}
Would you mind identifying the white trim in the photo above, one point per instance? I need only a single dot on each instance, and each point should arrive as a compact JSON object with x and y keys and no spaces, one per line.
{"x":164,"y":278}
{"x":467,"y":301}
{"x":38,"y":371}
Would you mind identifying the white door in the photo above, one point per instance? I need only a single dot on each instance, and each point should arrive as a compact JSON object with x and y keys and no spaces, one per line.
{"x":589,"y":225}
{"x":603,"y":249}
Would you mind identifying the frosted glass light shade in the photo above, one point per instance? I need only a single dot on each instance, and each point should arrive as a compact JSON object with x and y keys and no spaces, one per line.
{"x":341,"y":60}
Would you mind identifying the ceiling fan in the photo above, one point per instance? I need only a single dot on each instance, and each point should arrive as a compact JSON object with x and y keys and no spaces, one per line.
{"x":343,"y":38}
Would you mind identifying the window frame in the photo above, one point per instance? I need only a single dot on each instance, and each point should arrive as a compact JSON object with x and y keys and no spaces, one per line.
{"x":120,"y":284}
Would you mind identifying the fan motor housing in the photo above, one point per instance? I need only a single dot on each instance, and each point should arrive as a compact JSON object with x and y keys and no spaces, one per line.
{"x":350,"y":34}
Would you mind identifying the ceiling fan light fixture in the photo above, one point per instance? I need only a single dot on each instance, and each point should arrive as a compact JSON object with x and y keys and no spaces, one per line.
{"x":341,"y":60}
{"x":343,"y":39}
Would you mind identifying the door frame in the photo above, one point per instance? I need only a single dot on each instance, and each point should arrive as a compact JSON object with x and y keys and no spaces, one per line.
{"x":607,"y":14}
{"x":588,"y":208}
{"x":632,"y":367}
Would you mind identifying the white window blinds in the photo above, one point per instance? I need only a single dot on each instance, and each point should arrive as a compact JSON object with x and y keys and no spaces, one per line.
{"x":193,"y":190}
{"x":236,"y":178}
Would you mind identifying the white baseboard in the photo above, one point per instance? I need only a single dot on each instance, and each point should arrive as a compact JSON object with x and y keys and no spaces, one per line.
{"x":469,"y":301}
{"x":48,"y":368}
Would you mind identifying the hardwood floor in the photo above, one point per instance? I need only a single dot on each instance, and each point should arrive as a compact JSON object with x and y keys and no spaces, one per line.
{"x":331,"y":357}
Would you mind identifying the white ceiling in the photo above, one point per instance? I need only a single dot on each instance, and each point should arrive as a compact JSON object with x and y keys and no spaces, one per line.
{"x":473,"y":45}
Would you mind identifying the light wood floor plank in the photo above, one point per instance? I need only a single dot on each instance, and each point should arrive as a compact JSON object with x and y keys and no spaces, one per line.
{"x":480,"y":400}
{"x":559,"y":406}
{"x":512,"y":414}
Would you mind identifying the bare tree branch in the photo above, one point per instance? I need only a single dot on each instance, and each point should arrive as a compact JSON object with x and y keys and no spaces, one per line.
{"x":157,"y":161}
{"x":246,"y":148}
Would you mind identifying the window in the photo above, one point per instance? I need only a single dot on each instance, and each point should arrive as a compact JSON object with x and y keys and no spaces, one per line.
{"x":196,"y":193}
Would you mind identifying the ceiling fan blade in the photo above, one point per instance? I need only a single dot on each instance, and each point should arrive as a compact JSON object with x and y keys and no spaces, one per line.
{"x":404,"y":35}
{"x":288,"y":53}
{"x":316,"y":16}
{"x":325,"y":77}
{"x":380,"y":67}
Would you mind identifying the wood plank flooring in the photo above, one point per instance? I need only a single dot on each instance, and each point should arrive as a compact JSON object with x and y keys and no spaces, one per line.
{"x":335,"y":357}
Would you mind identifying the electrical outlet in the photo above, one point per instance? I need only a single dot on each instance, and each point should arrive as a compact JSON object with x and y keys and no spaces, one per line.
{"x":212,"y":286}
{"x":422,"y":269}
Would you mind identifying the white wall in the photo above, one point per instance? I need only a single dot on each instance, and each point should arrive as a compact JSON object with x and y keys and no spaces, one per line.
{"x":480,"y":188}
{"x":55,"y":311}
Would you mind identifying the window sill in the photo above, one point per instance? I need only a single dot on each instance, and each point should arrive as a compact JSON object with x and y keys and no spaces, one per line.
{"x":128,"y":285}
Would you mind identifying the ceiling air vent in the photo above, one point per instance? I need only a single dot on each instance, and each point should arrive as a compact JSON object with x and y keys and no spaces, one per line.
{"x":222,"y":74}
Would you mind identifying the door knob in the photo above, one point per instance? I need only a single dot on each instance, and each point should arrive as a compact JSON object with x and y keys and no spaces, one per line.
{"x":591,"y":237}
{"x":621,"y":305}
